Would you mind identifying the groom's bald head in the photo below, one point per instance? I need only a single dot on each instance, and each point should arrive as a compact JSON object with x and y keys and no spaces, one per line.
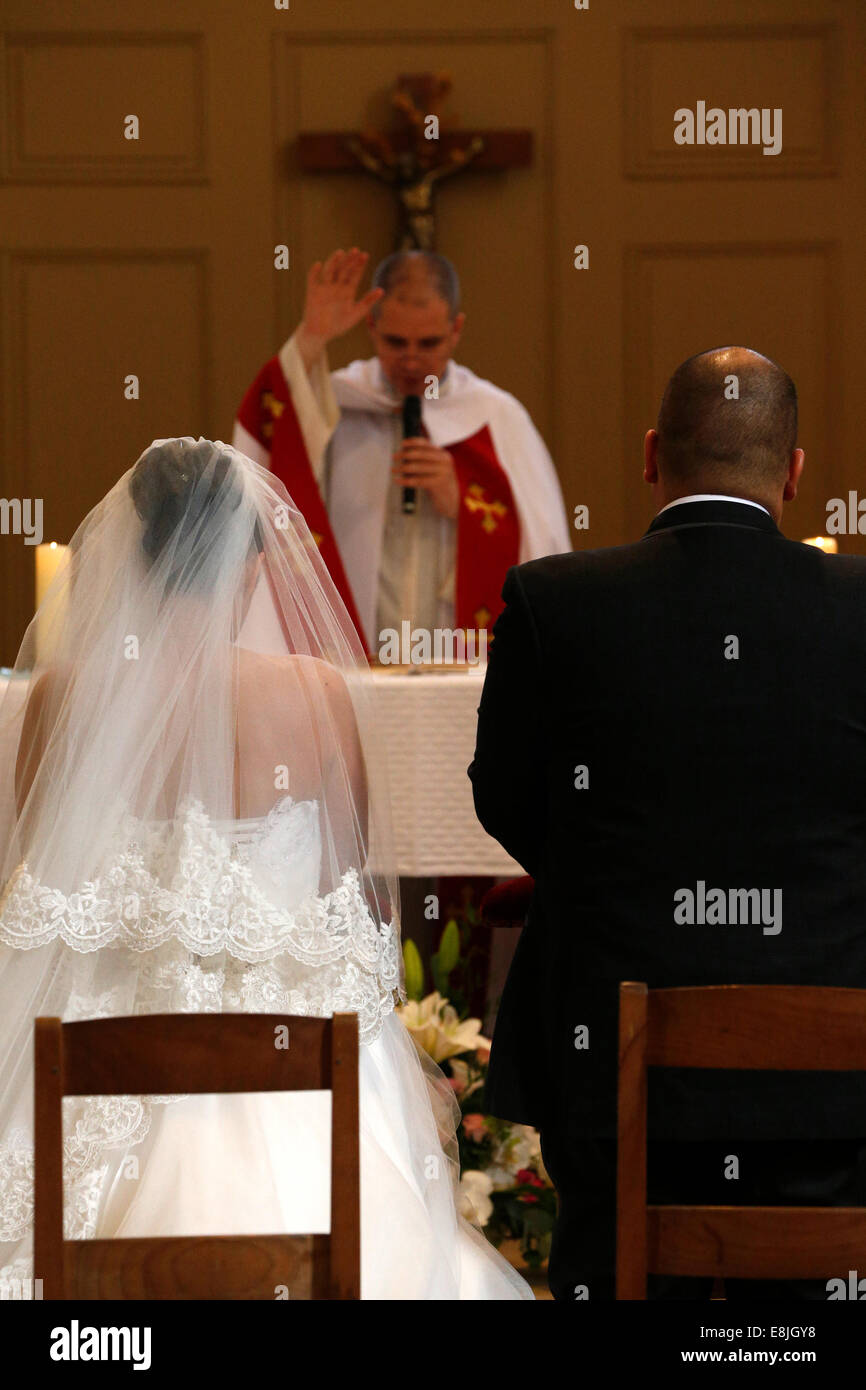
{"x":728,"y":421}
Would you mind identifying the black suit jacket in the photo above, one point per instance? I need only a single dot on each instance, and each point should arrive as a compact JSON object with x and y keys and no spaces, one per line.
{"x":746,"y":772}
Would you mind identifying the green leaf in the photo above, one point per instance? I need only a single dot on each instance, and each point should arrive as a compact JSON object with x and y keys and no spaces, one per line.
{"x":449,"y":947}
{"x":440,"y":980}
{"x":414,"y":970}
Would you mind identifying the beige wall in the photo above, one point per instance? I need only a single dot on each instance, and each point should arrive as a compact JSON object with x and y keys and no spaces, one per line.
{"x":155,"y":257}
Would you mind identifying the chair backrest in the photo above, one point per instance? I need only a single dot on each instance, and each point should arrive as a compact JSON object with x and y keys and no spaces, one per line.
{"x":171,"y":1054}
{"x":729,"y":1027}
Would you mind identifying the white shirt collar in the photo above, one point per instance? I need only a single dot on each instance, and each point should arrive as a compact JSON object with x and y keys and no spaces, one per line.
{"x":384,"y":384}
{"x":712,"y":497}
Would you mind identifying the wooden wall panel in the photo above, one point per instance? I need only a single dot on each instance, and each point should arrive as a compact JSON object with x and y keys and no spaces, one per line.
{"x":72,"y":430}
{"x":778,"y":298}
{"x":66,"y":97}
{"x":792,"y":67}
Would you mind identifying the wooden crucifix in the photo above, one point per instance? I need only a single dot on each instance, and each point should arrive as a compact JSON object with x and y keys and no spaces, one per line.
{"x":415,"y":157}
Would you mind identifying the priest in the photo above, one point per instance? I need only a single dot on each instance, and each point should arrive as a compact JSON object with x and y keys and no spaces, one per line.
{"x":420,"y":528}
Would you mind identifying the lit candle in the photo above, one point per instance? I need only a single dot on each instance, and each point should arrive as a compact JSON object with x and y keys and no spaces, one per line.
{"x":828,"y":544}
{"x":49,"y":558}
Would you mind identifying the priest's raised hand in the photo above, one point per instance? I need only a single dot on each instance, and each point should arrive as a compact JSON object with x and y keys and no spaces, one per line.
{"x":331,"y":306}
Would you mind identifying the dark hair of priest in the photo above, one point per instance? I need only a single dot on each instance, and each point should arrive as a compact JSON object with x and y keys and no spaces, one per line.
{"x":728,"y":415}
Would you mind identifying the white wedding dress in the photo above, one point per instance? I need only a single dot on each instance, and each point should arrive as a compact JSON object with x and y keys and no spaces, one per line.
{"x":193,"y":660}
{"x":260,"y":1163}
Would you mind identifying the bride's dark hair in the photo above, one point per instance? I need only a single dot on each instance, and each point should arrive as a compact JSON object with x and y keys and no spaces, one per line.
{"x":172,"y":495}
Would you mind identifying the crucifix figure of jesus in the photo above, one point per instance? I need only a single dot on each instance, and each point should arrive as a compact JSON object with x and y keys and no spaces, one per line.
{"x":416,"y":157}
{"x":415,"y":187}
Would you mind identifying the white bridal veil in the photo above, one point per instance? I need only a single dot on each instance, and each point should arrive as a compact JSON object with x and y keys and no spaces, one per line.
{"x":192,"y":669}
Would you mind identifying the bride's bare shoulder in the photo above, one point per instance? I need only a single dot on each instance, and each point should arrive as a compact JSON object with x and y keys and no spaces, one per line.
{"x":272,"y":674}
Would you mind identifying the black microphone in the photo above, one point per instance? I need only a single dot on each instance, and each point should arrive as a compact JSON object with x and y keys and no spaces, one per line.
{"x":411,"y":430}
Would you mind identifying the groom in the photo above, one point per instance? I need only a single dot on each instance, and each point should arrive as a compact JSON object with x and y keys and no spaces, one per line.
{"x":659,"y":720}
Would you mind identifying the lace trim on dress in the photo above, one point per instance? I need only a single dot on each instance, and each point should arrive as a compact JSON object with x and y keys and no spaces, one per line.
{"x":209,"y":941}
{"x":212,"y":903}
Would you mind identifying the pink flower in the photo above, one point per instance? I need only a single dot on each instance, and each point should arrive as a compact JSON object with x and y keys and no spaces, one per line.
{"x":475,"y":1127}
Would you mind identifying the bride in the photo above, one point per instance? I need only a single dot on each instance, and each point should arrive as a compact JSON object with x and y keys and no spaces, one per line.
{"x":199,"y":822}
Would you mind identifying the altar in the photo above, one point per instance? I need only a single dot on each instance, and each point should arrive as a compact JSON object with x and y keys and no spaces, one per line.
{"x":427,"y":723}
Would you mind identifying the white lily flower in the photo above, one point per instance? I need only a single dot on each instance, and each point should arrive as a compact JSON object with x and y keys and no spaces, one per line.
{"x":436,"y":1027}
{"x":474,"y":1197}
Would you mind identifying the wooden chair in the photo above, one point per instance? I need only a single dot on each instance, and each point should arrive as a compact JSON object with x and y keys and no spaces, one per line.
{"x":729,"y":1027}
{"x":170,"y":1054}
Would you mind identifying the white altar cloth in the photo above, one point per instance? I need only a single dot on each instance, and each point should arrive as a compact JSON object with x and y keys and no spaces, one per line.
{"x":428,"y":726}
